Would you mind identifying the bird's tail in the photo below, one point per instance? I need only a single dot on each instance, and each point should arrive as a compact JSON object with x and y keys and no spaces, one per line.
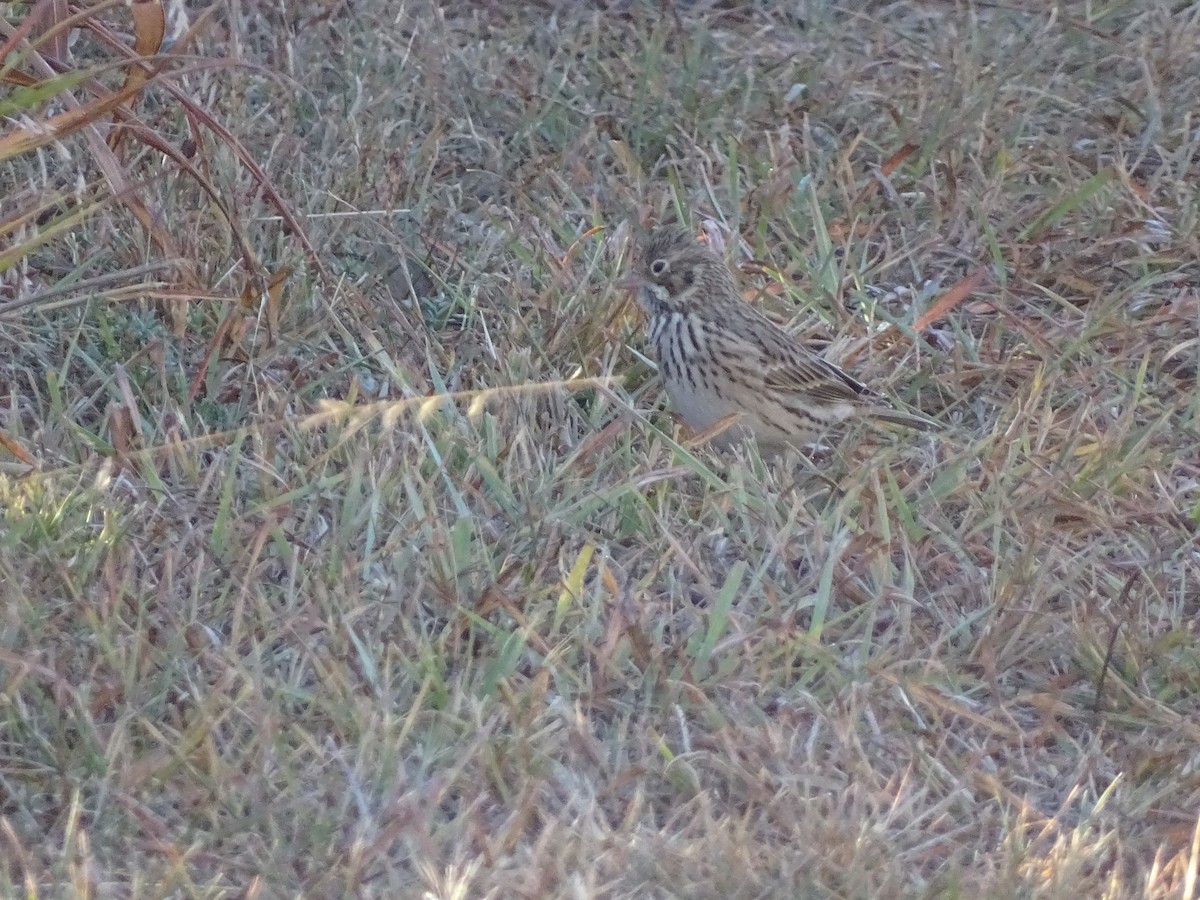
{"x":908,"y":420}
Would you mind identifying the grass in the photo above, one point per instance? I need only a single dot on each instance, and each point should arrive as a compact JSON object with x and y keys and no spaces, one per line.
{"x":348,"y":548}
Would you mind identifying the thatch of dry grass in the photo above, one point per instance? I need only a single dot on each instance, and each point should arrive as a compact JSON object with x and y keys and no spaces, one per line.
{"x":376,"y":566}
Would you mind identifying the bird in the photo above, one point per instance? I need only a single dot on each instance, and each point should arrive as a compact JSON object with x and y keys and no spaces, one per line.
{"x":728,"y":370}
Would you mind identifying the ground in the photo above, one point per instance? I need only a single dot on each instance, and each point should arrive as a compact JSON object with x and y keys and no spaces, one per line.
{"x":349,"y":547}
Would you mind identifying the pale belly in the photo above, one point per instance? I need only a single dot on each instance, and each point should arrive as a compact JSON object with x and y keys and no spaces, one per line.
{"x":704,"y":405}
{"x":701,"y":408}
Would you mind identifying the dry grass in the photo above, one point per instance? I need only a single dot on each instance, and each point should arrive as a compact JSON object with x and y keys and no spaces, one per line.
{"x":274,"y":626}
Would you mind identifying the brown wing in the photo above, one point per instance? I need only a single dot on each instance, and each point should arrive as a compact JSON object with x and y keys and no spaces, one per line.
{"x":819,"y":379}
{"x":796,"y":369}
{"x":785,"y":366}
{"x":789,"y":367}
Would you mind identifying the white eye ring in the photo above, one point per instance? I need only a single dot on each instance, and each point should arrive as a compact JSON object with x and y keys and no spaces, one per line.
{"x":658,"y":267}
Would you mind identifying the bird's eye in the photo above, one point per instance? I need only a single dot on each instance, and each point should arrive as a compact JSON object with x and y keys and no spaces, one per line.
{"x":658,"y":267}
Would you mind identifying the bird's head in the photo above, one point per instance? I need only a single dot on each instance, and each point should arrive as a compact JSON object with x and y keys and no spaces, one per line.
{"x":676,"y":273}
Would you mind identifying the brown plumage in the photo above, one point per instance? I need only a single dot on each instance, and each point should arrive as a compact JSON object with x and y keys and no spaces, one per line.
{"x":722,"y":361}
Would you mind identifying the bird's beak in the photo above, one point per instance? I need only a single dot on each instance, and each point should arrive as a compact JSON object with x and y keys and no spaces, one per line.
{"x":631,"y":282}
